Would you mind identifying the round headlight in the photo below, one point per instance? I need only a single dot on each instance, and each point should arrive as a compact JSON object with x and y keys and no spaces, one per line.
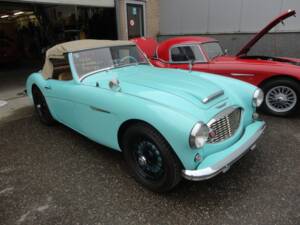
{"x":258,"y":97}
{"x":199,"y":135}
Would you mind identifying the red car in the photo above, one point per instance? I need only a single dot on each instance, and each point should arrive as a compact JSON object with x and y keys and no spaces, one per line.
{"x":278,"y":77}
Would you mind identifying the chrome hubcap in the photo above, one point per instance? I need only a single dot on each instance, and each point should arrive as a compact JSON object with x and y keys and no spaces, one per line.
{"x":142,"y":160}
{"x":149,"y":160}
{"x":281,"y":99}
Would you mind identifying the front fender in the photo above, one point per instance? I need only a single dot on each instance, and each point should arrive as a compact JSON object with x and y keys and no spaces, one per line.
{"x":35,"y":79}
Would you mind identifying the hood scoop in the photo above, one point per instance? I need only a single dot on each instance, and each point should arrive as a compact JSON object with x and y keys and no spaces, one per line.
{"x":212,"y":97}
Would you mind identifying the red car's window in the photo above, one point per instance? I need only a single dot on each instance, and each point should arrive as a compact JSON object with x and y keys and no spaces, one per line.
{"x":213,"y":49}
{"x":187,"y":53}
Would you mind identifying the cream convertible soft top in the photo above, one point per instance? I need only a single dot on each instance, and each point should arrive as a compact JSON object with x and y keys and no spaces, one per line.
{"x":58,"y":51}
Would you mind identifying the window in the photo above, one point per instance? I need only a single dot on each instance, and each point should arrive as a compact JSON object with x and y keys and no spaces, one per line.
{"x":213,"y":49}
{"x":187,"y":53}
{"x":61,"y":69}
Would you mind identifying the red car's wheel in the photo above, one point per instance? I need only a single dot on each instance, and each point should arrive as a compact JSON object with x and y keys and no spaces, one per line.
{"x":282,"y":97}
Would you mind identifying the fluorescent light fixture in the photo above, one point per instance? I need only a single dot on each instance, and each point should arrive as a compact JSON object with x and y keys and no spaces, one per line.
{"x":18,"y":13}
{"x":4,"y":16}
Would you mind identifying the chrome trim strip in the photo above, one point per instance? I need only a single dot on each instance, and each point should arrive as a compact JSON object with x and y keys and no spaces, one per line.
{"x":242,"y":75}
{"x":224,"y":165}
{"x":212,"y":97}
{"x":98,"y":109}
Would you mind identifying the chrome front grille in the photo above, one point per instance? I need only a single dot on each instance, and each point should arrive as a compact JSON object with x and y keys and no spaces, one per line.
{"x":224,"y":125}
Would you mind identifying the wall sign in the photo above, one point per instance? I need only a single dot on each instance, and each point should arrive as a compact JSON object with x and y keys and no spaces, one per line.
{"x":131,"y":22}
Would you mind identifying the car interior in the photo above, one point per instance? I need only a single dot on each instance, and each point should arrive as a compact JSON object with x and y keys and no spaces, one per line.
{"x":61,"y":70}
{"x":182,"y":54}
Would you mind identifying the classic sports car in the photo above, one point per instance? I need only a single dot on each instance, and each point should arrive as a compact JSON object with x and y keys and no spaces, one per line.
{"x":168,"y":123}
{"x":279,"y":78}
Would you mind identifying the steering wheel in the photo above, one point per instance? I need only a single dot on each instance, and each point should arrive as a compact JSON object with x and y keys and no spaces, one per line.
{"x":128,"y":57}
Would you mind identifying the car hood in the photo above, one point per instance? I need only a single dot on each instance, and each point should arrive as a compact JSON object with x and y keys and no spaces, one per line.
{"x":168,"y":86}
{"x":264,"y":31}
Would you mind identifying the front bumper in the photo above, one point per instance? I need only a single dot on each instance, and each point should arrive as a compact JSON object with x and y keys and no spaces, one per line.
{"x":221,"y":161}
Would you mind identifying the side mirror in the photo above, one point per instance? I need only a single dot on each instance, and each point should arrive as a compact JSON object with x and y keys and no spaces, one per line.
{"x":191,"y":64}
{"x":114,"y":85}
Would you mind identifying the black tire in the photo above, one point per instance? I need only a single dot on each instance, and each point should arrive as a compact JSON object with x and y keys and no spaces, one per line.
{"x":294,"y":89}
{"x":161,"y":169}
{"x":41,"y":107}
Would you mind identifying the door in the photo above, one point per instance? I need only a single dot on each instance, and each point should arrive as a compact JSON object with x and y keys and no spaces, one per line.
{"x":135,"y":20}
{"x":60,"y":96}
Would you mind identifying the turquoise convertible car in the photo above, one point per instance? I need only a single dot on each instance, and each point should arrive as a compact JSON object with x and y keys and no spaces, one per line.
{"x":168,"y":123}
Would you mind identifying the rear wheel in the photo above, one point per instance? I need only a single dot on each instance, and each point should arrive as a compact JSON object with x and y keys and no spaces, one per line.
{"x":41,"y":107}
{"x":282,"y":97}
{"x":150,"y":158}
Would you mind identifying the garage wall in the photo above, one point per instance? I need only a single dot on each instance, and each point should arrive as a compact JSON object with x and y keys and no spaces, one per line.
{"x":233,"y":23}
{"x":223,"y":16}
{"x":99,"y":3}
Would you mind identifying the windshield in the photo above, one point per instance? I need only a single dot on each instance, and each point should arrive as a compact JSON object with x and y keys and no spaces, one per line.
{"x":213,"y":49}
{"x":91,"y":61}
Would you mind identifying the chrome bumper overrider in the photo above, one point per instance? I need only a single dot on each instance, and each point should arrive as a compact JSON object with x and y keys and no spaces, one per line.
{"x":224,"y":164}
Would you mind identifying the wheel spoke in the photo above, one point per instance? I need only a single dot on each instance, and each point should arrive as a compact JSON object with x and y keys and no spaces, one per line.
{"x":281,"y":99}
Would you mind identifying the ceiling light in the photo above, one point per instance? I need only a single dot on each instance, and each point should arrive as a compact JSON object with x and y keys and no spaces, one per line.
{"x":4,"y":16}
{"x":18,"y":13}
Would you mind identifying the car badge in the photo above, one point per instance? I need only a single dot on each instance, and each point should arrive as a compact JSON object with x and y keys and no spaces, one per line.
{"x":212,"y":133}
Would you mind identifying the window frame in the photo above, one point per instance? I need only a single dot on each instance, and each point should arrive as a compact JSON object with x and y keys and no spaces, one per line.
{"x":186,"y":62}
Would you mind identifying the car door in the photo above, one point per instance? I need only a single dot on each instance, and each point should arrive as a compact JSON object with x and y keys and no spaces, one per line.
{"x":95,"y":112}
{"x":188,"y":57}
{"x":60,"y":96}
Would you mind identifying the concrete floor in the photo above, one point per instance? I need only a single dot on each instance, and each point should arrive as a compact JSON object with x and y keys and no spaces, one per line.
{"x":12,"y":84}
{"x":52,"y":175}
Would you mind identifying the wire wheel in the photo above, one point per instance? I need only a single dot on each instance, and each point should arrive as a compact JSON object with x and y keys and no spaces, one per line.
{"x":281,"y":99}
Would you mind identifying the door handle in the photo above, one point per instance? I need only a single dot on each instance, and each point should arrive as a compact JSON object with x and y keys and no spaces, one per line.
{"x":47,"y":87}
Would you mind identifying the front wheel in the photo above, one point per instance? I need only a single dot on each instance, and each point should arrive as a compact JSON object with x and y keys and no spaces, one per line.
{"x":150,"y":158}
{"x":282,"y":97}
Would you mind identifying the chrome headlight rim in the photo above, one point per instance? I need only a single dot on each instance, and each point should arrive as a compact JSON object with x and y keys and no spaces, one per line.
{"x":199,"y":135}
{"x":258,"y":98}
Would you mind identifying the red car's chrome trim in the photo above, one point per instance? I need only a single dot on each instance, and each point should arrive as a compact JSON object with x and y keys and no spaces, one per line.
{"x":265,"y":30}
{"x":242,"y":75}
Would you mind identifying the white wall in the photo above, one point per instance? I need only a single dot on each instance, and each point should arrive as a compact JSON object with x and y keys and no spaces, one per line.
{"x":224,"y":16}
{"x":99,"y":3}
